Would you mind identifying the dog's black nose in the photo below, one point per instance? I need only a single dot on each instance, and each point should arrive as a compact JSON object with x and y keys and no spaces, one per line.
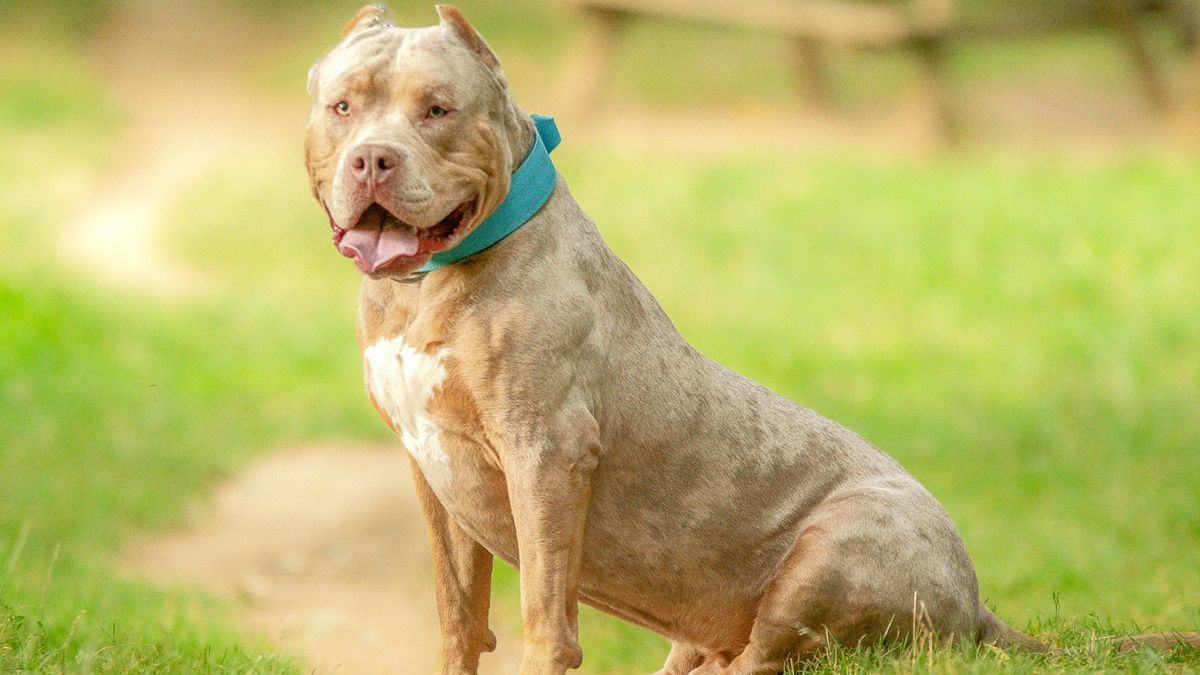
{"x":372,"y":164}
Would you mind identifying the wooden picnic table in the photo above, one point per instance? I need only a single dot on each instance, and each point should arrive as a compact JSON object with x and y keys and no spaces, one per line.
{"x":923,"y":27}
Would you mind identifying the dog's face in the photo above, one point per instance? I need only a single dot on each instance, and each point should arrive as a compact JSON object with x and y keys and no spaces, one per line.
{"x":407,"y":145}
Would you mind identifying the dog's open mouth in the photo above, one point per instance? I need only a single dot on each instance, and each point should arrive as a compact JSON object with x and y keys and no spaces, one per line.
{"x":380,"y":240}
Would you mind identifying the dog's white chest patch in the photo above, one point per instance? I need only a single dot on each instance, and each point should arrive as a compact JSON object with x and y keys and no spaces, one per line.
{"x":403,"y":380}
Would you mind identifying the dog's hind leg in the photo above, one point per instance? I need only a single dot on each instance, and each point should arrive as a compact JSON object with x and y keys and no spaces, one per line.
{"x":683,"y":659}
{"x":870,"y":565}
{"x":787,"y":622}
{"x":712,"y":667}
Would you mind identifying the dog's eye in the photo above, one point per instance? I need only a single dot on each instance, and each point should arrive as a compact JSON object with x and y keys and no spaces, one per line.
{"x":342,"y":108}
{"x":437,"y":111}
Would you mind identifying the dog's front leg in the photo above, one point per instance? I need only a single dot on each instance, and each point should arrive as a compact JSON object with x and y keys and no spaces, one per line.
{"x":549,"y":485}
{"x":463,"y":584}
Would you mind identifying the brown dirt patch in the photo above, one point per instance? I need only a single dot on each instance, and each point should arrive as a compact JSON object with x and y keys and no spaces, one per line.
{"x":323,"y":550}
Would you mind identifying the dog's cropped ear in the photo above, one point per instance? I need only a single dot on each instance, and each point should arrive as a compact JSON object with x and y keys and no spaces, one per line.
{"x":312,"y":76}
{"x":369,"y":15}
{"x":455,"y":23}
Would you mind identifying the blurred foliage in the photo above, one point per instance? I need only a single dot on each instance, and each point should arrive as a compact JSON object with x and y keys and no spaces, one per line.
{"x":73,"y":18}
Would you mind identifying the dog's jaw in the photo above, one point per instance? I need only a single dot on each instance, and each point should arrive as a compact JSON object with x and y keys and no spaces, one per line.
{"x":380,"y":243}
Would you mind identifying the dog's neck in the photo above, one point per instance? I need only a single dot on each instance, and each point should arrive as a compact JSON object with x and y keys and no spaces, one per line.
{"x":518,"y":128}
{"x":430,"y":313}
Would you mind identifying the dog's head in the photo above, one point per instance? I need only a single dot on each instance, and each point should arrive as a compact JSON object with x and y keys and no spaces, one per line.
{"x":412,"y":138}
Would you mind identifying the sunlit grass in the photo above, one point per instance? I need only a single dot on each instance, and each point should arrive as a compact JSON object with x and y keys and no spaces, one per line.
{"x":1082,"y":647}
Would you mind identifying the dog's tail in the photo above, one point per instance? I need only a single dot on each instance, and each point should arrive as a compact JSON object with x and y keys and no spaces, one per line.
{"x":1162,"y":641}
{"x":993,"y":631}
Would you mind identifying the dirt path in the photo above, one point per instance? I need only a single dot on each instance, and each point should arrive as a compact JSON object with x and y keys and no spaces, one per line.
{"x":325,"y":552}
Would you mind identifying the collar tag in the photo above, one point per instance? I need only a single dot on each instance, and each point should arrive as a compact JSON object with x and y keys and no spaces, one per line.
{"x":528,"y":190}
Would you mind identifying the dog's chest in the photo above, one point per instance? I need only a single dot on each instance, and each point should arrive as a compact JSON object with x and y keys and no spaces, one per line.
{"x":403,"y":381}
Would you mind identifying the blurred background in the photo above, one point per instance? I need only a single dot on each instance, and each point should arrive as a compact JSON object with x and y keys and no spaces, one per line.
{"x":967,"y":230}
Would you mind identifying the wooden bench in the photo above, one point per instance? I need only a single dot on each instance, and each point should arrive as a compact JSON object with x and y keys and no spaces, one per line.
{"x":923,"y":27}
{"x":1027,"y":18}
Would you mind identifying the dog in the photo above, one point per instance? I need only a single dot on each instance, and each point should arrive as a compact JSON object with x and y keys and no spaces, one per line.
{"x":555,"y":419}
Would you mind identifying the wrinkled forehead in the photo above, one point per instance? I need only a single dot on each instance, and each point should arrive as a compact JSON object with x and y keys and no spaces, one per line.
{"x":386,"y":54}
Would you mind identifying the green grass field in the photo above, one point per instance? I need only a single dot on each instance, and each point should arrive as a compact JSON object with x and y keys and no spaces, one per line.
{"x":1022,"y":333}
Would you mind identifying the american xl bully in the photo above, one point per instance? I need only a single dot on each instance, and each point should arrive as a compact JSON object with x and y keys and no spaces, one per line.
{"x":556,"y":419}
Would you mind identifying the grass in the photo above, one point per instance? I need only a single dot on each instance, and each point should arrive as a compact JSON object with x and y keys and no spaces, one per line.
{"x":1086,"y":651}
{"x":1022,"y":334}
{"x":108,"y":429}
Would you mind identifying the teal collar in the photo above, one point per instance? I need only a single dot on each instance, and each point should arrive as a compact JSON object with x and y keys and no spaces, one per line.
{"x":529,"y":189}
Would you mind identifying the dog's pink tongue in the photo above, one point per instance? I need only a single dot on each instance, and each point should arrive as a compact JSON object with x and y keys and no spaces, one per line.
{"x":376,"y":245}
